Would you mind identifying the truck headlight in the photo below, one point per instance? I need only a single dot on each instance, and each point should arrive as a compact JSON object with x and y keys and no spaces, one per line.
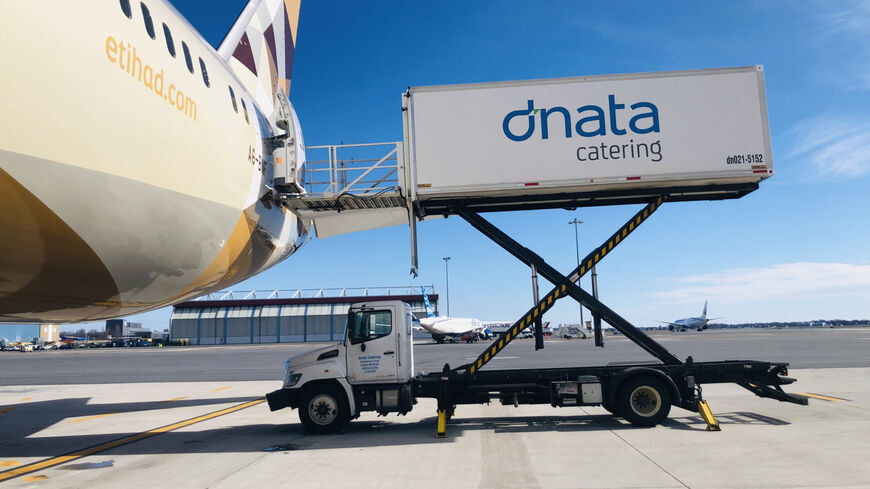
{"x":293,"y":379}
{"x":286,"y":370}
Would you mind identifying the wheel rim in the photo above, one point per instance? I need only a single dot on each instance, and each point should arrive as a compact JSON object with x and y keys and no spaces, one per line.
{"x":323,"y":409}
{"x":645,"y":401}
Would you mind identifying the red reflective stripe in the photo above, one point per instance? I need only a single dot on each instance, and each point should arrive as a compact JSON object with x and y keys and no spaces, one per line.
{"x":532,"y":184}
{"x":632,"y":178}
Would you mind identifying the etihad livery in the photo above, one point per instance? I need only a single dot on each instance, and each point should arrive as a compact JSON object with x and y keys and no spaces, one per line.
{"x":135,"y":166}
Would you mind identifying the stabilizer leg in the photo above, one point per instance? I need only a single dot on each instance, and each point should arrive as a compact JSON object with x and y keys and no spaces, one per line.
{"x":707,"y":414}
{"x":441,"y":431}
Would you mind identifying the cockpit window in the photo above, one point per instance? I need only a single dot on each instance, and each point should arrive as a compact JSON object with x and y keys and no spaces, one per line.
{"x":170,"y":45}
{"x":149,"y":25}
{"x":233,"y":98}
{"x":125,"y":7}
{"x":204,"y":72}
{"x":187,"y":58}
{"x":245,"y":110}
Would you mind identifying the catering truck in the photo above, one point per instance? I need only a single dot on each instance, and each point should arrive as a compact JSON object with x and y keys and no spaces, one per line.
{"x":372,"y":369}
{"x":576,"y":142}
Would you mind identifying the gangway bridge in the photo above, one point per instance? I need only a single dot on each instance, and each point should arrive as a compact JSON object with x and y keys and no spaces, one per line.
{"x":678,"y":143}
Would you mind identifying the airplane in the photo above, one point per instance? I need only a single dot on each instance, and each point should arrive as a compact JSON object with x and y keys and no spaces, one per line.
{"x":698,"y":323}
{"x":443,"y":327}
{"x":69,"y":339}
{"x":136,"y":162}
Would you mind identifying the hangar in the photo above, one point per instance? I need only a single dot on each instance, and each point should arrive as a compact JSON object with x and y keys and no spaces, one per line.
{"x":280,"y":316}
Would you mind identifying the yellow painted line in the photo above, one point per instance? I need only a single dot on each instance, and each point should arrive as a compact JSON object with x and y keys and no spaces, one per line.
{"x":175,"y":399}
{"x":34,"y":478}
{"x":221,"y":389}
{"x":26,"y":398}
{"x":9,"y":463}
{"x":819,"y":396}
{"x":91,"y":417}
{"x":7,"y":409}
{"x":51,"y":462}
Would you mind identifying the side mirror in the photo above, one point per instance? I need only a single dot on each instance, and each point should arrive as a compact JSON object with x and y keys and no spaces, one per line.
{"x":362,"y":346}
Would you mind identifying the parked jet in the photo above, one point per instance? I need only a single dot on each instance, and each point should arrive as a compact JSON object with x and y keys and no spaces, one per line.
{"x":69,"y":339}
{"x":136,"y":161}
{"x":698,"y":323}
{"x":443,"y":327}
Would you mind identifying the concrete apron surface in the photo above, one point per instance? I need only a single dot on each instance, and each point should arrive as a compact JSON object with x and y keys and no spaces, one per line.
{"x":211,"y":434}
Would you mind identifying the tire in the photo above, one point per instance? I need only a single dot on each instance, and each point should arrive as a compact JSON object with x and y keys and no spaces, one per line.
{"x":610,"y":408}
{"x":323,"y":409}
{"x":644,"y":400}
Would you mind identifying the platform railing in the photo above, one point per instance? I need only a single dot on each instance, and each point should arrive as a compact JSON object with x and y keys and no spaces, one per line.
{"x":362,"y":170}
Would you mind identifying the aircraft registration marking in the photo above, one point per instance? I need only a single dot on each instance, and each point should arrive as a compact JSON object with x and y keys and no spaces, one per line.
{"x":51,"y":462}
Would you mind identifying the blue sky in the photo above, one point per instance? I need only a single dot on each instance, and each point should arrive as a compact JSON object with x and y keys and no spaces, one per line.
{"x":797,"y":249}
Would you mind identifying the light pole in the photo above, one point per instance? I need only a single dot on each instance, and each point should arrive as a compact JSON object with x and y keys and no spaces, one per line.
{"x":575,"y":222}
{"x":447,"y":279}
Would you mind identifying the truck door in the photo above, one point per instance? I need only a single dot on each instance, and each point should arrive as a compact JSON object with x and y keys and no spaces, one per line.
{"x":371,"y":346}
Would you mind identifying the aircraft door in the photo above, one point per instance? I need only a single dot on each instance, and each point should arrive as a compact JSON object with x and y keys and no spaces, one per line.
{"x":371,"y":346}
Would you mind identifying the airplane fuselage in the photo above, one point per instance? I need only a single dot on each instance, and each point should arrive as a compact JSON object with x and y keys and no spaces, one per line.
{"x":450,"y":326}
{"x":131,"y":176}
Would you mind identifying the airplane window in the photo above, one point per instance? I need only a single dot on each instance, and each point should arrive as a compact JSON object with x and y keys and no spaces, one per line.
{"x":149,"y":26}
{"x":233,"y":98}
{"x":125,"y":6}
{"x":245,"y":110}
{"x":170,"y":45}
{"x":187,"y":56}
{"x":204,"y":72}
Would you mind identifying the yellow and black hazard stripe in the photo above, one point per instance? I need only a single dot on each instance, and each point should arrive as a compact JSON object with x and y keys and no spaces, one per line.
{"x":548,"y":300}
{"x":597,"y":254}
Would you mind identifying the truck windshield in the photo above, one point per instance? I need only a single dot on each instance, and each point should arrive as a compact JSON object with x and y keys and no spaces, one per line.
{"x":369,"y":325}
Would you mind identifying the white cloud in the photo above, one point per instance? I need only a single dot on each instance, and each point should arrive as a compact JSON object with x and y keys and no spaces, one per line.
{"x":845,"y":27}
{"x":793,"y":281}
{"x":848,"y":19}
{"x":835,"y":146}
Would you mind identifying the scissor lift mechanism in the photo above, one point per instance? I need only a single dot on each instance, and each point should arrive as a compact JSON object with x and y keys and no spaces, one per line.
{"x":468,"y":384}
{"x":386,"y":182}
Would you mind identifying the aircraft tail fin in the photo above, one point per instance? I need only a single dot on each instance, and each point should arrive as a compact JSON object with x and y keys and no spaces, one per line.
{"x":260,"y":47}
{"x":426,"y":302}
{"x":704,"y":313}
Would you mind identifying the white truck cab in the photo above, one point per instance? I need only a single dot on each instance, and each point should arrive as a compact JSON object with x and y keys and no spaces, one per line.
{"x":369,"y":370}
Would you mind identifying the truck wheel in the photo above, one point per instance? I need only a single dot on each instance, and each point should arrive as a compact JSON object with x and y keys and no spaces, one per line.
{"x":644,"y":401}
{"x":323,"y":409}
{"x":610,"y":408}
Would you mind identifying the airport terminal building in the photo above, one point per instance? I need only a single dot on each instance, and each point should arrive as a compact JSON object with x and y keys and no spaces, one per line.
{"x":280,"y":316}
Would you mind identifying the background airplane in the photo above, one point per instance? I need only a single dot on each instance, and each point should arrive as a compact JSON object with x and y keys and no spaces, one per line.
{"x":444,"y":327}
{"x":698,"y":323}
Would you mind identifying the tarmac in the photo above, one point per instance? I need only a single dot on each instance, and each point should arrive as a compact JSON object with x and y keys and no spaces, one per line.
{"x":209,"y":433}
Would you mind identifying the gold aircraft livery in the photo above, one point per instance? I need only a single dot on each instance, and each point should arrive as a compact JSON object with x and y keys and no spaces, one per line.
{"x":135,"y":160}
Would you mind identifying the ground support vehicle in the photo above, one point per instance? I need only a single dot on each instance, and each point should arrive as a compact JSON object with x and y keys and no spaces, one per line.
{"x":537,"y":144}
{"x":372,"y":369}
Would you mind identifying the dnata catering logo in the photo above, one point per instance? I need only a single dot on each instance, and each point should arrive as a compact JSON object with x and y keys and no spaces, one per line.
{"x":592,"y":120}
